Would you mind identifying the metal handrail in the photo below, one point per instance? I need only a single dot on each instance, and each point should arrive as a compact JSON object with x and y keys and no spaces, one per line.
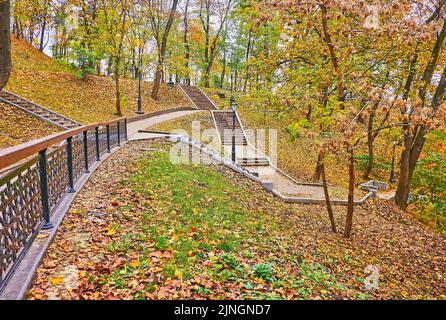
{"x":12,"y":155}
{"x":34,"y":189}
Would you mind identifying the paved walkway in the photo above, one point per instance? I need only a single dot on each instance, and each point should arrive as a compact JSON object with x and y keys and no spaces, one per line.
{"x":134,"y":127}
{"x":281,"y":181}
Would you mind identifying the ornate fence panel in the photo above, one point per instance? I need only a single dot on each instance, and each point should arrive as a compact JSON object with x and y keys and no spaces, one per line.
{"x":103,"y":140}
{"x":113,"y":135}
{"x":57,"y":176}
{"x":91,"y":147}
{"x":33,"y":191}
{"x":20,"y":214}
{"x":78,"y":158}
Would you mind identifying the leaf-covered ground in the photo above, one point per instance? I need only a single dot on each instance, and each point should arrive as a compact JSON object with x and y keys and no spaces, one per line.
{"x":299,"y":158}
{"x":144,"y":228}
{"x":17,"y":127}
{"x":40,"y":79}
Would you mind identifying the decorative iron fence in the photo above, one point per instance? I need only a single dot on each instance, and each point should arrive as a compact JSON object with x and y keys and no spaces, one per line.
{"x":31,"y":193}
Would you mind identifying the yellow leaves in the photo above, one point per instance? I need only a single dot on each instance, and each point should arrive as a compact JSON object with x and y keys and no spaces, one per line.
{"x":110,"y":231}
{"x":175,"y":237}
{"x":56,"y":280}
{"x":135,"y":263}
{"x":404,"y":294}
{"x":178,"y":274}
{"x":42,"y":236}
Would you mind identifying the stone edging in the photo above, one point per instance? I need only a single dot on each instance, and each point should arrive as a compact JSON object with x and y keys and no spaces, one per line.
{"x":265,"y":184}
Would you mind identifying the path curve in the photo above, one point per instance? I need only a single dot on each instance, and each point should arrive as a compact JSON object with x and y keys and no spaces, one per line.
{"x":134,"y":127}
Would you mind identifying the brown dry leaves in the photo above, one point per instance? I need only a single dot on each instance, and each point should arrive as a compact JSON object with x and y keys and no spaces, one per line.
{"x":17,"y":127}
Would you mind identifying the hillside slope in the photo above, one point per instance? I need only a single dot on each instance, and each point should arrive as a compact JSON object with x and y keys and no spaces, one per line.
{"x":40,"y":79}
{"x":218,"y":235}
{"x":17,"y":127}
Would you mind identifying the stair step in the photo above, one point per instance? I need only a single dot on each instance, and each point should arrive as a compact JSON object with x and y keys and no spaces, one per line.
{"x":257,"y":161}
{"x":254,"y":159}
{"x":253,"y":164}
{"x":36,"y":109}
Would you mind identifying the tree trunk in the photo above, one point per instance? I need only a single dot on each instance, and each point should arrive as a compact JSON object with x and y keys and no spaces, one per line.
{"x":5,"y":45}
{"x":402,"y":192}
{"x":248,"y":52}
{"x":327,"y":199}
{"x":162,"y":51}
{"x":117,"y":85}
{"x":186,"y":43}
{"x":351,"y":195}
{"x":118,"y":94}
{"x":333,"y":56}
{"x":318,"y":172}
{"x":223,"y":72}
{"x":370,"y":160}
{"x":42,"y":37}
{"x":158,"y":78}
{"x":207,"y":78}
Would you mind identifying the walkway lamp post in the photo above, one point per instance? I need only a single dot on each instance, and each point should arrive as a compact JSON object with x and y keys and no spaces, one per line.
{"x":233,"y":106}
{"x":139,"y":92}
{"x":392,"y":168}
{"x":171,"y":84}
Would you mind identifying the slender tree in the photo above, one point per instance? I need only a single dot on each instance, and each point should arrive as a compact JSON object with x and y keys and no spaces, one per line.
{"x":212,"y":10}
{"x":5,"y":46}
{"x":161,"y":27}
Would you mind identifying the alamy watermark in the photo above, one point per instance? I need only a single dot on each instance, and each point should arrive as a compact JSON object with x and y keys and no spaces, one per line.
{"x":252,"y":147}
{"x":371,"y":280}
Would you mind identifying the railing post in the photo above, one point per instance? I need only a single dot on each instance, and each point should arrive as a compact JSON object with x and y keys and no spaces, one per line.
{"x":70,"y":165}
{"x":125,"y":130}
{"x":119,"y":134}
{"x":108,"y":139}
{"x":85,"y":135}
{"x":98,"y":152}
{"x":44,"y":190}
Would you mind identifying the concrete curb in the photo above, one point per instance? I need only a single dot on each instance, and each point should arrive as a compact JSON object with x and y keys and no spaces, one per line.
{"x":265,"y":184}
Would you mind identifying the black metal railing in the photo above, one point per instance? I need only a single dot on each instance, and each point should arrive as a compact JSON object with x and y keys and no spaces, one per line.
{"x":30,"y":193}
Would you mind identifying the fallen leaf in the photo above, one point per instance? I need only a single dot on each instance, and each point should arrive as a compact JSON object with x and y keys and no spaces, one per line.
{"x":135,"y":263}
{"x":56,"y":280}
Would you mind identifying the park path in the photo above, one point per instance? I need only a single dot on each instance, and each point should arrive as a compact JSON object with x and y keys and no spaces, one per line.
{"x":133,"y":128}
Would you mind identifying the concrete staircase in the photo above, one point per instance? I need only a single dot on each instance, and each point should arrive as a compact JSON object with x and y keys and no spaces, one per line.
{"x":38,"y":111}
{"x":223,"y":121}
{"x":224,"y":124}
{"x":198,"y":97}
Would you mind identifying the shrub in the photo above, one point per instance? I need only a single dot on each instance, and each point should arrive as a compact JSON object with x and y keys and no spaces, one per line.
{"x":429,"y":190}
{"x":83,"y":60}
{"x":263,"y":271}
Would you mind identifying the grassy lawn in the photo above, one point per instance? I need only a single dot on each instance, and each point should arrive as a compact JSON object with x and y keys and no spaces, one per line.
{"x":155,"y":230}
